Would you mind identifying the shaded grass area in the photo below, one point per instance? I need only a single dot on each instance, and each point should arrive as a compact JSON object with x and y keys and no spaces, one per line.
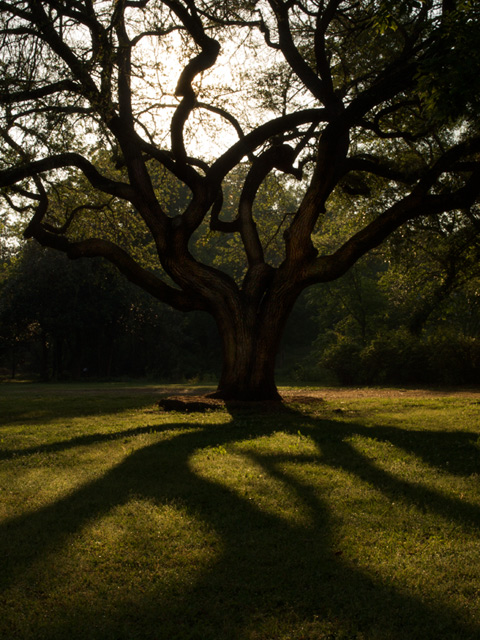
{"x":356,"y":518}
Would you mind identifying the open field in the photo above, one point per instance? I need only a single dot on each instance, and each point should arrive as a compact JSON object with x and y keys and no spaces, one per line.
{"x":352,"y":517}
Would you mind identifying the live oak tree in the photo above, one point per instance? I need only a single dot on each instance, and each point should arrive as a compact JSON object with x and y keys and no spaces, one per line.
{"x":374,"y":99}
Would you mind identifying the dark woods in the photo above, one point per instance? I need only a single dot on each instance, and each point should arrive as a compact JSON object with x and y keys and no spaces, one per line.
{"x":92,"y":324}
{"x":385,"y":322}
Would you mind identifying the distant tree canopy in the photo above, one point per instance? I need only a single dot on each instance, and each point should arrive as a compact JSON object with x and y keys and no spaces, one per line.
{"x":62,"y":320}
{"x":153,"y":132}
{"x":408,"y":313}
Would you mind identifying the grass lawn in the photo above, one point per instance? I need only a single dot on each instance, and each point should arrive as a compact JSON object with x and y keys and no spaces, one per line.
{"x":354,"y":517}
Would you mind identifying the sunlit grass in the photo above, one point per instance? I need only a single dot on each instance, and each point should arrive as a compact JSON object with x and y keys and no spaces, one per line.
{"x":354,"y":518}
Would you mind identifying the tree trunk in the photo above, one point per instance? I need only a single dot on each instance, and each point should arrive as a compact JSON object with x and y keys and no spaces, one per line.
{"x":250,"y":342}
{"x":250,"y":376}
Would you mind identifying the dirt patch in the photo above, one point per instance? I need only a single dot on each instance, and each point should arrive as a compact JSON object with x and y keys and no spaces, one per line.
{"x":190,"y":403}
{"x":201,"y":404}
{"x":351,"y":393}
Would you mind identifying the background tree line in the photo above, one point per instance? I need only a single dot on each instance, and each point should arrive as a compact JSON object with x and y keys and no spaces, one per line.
{"x":408,"y":313}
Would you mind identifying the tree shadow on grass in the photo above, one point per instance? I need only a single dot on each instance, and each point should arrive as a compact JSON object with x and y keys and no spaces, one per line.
{"x":54,"y":408}
{"x":78,"y":441}
{"x":54,"y":402}
{"x":252,"y":587}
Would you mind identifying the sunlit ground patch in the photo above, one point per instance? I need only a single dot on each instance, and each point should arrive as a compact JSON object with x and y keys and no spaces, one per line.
{"x":139,"y":552}
{"x":254,"y":470}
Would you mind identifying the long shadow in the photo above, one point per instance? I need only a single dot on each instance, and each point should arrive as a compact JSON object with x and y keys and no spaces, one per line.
{"x":455,"y":452}
{"x":65,"y":401}
{"x":442,"y":450}
{"x":79,"y":441}
{"x":251,"y":582}
{"x":55,"y":407}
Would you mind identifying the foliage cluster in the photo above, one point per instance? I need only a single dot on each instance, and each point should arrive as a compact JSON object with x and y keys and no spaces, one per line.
{"x":409,"y":314}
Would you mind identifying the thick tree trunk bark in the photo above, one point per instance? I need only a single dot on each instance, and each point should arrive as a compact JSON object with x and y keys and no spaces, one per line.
{"x":250,"y":319}
{"x":250,"y":344}
{"x":250,"y":375}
